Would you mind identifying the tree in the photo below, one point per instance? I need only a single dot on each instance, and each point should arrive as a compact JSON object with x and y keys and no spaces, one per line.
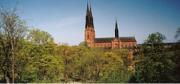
{"x":39,"y":37}
{"x":12,"y":30}
{"x":155,"y":38}
{"x":157,"y":64}
{"x":176,"y":49}
{"x":83,"y":44}
{"x":90,"y":65}
{"x":114,"y":68}
{"x":177,"y":36}
{"x":39,"y":63}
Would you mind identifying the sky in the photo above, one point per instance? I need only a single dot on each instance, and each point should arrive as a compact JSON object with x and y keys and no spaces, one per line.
{"x":65,"y":19}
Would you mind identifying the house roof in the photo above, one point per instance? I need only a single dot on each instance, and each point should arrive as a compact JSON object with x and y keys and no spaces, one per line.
{"x":122,"y":39}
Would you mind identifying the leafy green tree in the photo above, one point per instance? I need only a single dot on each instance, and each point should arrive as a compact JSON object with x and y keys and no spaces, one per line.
{"x":155,"y":38}
{"x":39,"y":37}
{"x":177,"y":36}
{"x":114,"y":68}
{"x":90,"y":65}
{"x":83,"y":64}
{"x":39,"y":63}
{"x":175,"y":49}
{"x":157,"y":64}
{"x":83,"y":44}
{"x":12,"y":30}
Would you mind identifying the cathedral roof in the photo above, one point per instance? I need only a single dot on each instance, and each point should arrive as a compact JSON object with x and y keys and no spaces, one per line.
{"x":102,"y":40}
{"x":127,"y":39}
{"x":122,"y":39}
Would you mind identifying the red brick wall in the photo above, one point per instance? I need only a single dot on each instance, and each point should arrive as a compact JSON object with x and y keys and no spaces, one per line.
{"x":103,"y":45}
{"x":115,"y":44}
{"x":89,"y":36}
{"x":128,"y":44}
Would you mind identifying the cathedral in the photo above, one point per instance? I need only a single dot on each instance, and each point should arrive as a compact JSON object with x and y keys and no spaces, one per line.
{"x":109,"y":42}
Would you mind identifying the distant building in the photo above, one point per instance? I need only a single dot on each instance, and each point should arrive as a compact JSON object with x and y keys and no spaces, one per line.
{"x":112,"y":42}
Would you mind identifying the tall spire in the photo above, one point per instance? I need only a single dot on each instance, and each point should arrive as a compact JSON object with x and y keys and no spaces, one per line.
{"x":87,"y":11}
{"x":116,"y":30}
{"x":90,"y":8}
{"x":89,"y":17}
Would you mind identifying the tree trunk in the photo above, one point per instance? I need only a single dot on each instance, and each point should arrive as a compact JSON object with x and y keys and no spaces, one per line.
{"x":13,"y":69}
{"x":6,"y":77}
{"x":13,"y":61}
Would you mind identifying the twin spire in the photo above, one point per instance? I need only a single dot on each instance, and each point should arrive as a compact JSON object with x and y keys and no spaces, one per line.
{"x":89,"y":9}
{"x":89,"y":21}
{"x":89,"y":17}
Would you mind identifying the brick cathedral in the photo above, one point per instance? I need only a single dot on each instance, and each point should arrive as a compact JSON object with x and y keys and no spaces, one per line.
{"x":109,"y":42}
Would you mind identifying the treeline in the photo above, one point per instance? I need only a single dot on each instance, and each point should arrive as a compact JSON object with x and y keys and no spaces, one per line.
{"x":31,"y":55}
{"x":49,"y":62}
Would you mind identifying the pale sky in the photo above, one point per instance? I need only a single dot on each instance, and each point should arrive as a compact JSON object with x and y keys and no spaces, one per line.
{"x":65,"y":19}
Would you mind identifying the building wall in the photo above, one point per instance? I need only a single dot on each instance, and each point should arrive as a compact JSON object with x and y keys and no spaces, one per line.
{"x":114,"y":44}
{"x":128,"y":44}
{"x":103,"y":45}
{"x":90,"y":36}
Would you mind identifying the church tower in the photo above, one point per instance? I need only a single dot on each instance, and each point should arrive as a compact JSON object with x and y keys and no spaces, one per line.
{"x":116,"y":41}
{"x":89,"y":28}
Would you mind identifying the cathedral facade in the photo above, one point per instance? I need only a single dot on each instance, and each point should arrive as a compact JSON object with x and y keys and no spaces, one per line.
{"x":109,"y":42}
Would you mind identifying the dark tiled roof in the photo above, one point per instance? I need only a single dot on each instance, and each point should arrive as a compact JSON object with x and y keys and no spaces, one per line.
{"x":123,"y":39}
{"x":102,"y":40}
{"x":127,"y":39}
